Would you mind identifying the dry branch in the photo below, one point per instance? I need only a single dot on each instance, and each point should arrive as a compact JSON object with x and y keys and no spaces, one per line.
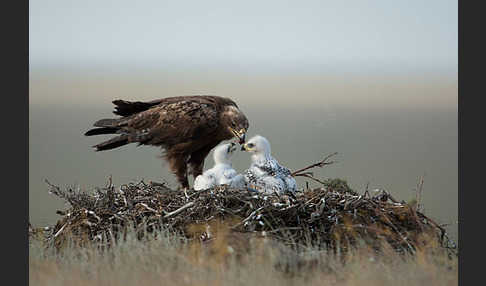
{"x":319,"y":164}
{"x":188,"y":205}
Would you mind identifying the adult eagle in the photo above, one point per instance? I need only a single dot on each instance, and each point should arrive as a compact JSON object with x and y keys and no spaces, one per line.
{"x":186,"y":127}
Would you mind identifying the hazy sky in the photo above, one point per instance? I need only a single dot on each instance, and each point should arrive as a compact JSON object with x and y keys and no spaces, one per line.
{"x":413,"y":34}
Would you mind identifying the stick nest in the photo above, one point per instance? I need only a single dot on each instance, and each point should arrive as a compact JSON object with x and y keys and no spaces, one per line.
{"x":332,"y":217}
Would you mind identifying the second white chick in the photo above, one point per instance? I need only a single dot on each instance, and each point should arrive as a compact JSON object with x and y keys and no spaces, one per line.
{"x":222,"y":173}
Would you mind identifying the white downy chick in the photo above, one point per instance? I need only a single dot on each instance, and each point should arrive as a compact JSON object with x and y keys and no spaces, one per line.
{"x":265,"y":172}
{"x":222,"y":172}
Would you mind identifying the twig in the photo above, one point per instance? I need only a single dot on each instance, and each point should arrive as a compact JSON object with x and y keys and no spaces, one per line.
{"x":418,"y":195}
{"x":247,"y":218}
{"x":198,"y":192}
{"x":285,"y":228}
{"x":110,"y":182}
{"x":60,"y":230}
{"x":52,"y":186}
{"x":310,"y":177}
{"x":188,"y":205}
{"x":318,"y":164}
{"x":397,"y":231}
{"x":433,"y":222}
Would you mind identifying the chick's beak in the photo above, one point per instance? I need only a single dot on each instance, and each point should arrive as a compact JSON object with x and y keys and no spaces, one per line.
{"x":244,"y":147}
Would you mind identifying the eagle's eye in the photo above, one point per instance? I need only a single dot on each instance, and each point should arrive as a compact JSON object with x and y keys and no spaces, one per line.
{"x":250,"y":145}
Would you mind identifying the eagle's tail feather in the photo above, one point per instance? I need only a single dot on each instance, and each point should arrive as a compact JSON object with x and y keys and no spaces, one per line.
{"x":107,"y":122}
{"x":141,"y":138}
{"x":113,"y":143}
{"x":127,"y":108}
{"x":102,"y":130}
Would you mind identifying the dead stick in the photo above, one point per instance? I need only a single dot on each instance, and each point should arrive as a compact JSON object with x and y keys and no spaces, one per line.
{"x":247,"y":218}
{"x":310,"y":177}
{"x":419,"y":193}
{"x":414,"y":213}
{"x":60,"y":230}
{"x":188,"y":205}
{"x":51,"y":185}
{"x":396,"y":230}
{"x":432,"y":221}
{"x":318,"y":164}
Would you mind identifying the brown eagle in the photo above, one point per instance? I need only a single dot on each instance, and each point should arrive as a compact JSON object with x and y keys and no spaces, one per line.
{"x":186,"y":127}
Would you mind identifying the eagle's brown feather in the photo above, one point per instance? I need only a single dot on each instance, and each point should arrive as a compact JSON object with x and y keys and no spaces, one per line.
{"x":186,"y":127}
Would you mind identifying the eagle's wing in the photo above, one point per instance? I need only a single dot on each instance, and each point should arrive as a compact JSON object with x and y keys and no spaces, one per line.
{"x":126,"y":108}
{"x":172,"y":122}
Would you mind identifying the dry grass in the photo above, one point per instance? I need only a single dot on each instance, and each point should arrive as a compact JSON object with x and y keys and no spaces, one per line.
{"x":232,"y":259}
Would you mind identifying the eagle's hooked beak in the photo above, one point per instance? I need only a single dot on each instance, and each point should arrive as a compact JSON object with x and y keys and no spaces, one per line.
{"x":241,"y":135}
